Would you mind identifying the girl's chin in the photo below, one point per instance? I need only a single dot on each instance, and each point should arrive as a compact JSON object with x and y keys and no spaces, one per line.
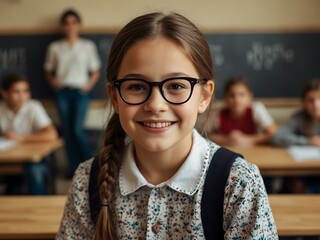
{"x":155,"y":148}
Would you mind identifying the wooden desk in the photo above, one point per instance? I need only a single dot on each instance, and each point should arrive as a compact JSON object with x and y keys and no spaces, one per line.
{"x":13,"y":160}
{"x":277,"y":161}
{"x":30,"y":152}
{"x":29,"y":217}
{"x":296,"y":215}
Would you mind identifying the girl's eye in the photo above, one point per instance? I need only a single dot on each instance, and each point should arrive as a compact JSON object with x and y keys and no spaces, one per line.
{"x":136,"y":87}
{"x":176,"y":86}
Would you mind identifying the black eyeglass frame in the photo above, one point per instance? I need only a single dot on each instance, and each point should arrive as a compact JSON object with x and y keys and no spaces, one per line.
{"x":193,"y":81}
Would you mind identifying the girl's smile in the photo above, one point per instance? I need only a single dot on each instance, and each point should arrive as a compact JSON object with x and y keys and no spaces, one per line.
{"x":157,"y":126}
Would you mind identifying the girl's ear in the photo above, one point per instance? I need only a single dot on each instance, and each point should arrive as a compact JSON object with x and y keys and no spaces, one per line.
{"x":113,"y":97}
{"x":207,"y":93}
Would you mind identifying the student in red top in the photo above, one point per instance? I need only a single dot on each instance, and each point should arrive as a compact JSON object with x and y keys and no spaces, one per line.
{"x":242,"y":122}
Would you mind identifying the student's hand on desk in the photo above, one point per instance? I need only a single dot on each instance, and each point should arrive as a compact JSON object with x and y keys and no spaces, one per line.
{"x":12,"y":135}
{"x":314,"y":141}
{"x":237,"y":138}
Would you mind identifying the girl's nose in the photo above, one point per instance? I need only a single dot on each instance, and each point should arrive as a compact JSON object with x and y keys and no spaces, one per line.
{"x":156,"y":103}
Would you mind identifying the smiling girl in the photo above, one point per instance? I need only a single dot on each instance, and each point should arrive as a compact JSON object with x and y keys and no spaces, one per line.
{"x":152,"y":169}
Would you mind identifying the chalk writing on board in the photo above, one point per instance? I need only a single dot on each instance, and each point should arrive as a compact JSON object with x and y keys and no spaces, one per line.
{"x":217,"y":54}
{"x":13,"y":59}
{"x":264,"y":57}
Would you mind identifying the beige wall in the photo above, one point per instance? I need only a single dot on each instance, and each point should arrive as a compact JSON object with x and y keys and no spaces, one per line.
{"x":210,"y":15}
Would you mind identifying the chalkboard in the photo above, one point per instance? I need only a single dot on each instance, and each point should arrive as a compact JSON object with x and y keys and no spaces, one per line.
{"x":275,"y":64}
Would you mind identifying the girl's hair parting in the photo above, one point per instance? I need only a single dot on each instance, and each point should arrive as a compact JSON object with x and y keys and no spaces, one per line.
{"x":185,"y":34}
{"x":312,"y":85}
{"x":235,"y":80}
{"x":67,"y":13}
{"x":10,"y":79}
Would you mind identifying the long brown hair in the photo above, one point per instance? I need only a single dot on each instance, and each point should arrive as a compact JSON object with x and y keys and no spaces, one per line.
{"x":313,"y":85}
{"x":175,"y":28}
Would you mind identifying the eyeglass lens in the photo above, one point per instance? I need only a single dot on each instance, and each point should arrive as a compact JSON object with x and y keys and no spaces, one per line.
{"x":137,"y":91}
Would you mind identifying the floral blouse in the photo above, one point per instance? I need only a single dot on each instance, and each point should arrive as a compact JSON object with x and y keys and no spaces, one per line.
{"x":172,"y":210}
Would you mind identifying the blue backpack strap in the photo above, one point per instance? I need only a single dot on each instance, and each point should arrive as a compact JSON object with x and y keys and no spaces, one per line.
{"x":213,"y":193}
{"x":94,"y":196}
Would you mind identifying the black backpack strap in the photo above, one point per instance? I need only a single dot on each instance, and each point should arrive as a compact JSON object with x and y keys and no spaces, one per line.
{"x":212,"y":198}
{"x":213,"y":193}
{"x":94,"y":196}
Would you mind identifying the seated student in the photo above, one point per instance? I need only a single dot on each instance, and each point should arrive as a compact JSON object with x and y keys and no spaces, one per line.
{"x":303,"y":128}
{"x":242,"y":122}
{"x":25,"y":120}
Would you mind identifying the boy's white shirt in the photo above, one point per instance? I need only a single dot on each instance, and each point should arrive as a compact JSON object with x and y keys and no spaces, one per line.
{"x":261,"y":116}
{"x":72,"y":64}
{"x":30,"y":118}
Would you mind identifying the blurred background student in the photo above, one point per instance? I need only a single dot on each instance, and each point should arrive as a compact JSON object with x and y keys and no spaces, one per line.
{"x":25,"y":120}
{"x":72,"y":69}
{"x":242,"y":122}
{"x":303,"y":128}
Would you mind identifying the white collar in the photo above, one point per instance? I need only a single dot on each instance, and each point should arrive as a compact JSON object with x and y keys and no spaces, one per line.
{"x":186,"y":180}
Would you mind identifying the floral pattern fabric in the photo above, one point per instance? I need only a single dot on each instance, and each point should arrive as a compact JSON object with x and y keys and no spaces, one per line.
{"x":172,"y":210}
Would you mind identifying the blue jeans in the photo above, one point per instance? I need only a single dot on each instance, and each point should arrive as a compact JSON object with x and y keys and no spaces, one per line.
{"x":72,"y":106}
{"x":36,"y":177}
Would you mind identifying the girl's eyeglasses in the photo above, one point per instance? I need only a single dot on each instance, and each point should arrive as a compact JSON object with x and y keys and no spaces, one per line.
{"x":177,"y":90}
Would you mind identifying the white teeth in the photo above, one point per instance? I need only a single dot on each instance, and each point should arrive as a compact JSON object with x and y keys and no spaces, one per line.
{"x":157,"y":125}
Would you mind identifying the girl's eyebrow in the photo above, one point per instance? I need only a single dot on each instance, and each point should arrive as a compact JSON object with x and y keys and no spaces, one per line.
{"x":135,"y":75}
{"x":168,"y":75}
{"x":176,"y":74}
